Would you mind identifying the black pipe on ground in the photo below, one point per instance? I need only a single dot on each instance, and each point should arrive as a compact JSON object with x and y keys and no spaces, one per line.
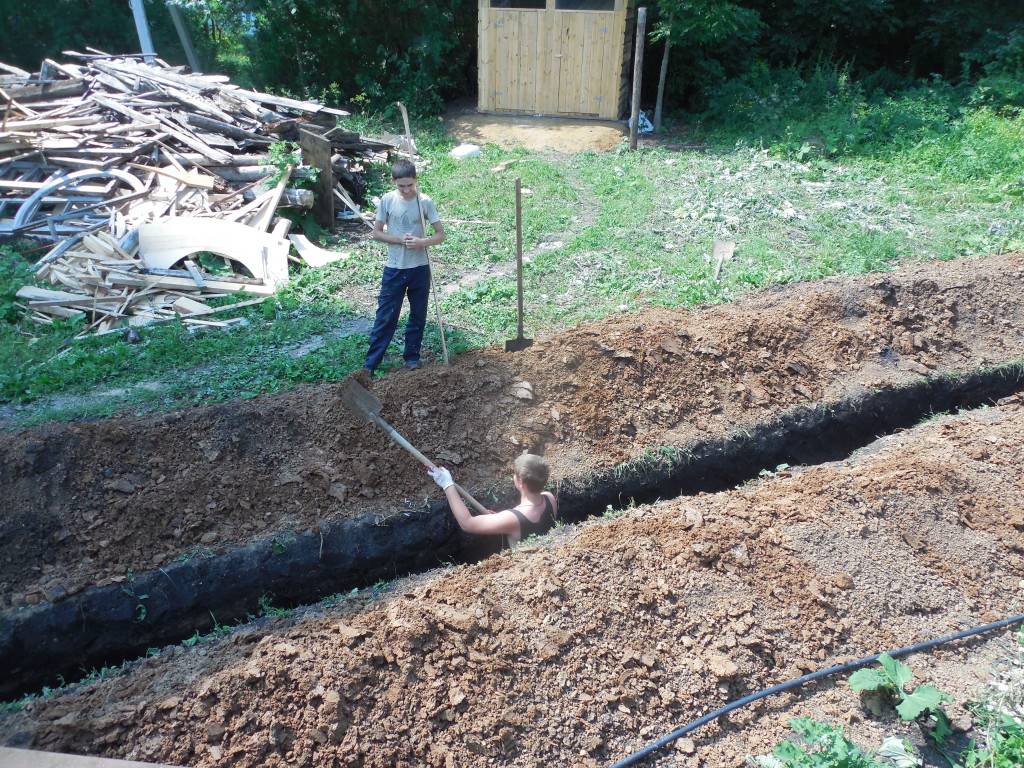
{"x":640,"y":755}
{"x":43,"y":644}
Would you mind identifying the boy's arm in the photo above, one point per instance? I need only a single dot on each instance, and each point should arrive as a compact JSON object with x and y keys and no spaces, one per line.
{"x":384,"y":237}
{"x":503,"y":522}
{"x":437,"y":238}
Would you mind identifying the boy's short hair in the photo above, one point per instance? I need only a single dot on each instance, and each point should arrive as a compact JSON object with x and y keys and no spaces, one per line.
{"x":532,"y":471}
{"x":403,"y":169}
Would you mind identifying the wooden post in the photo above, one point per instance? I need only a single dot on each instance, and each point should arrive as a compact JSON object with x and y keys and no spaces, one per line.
{"x":142,"y":27}
{"x":186,"y":39}
{"x":638,"y":64}
{"x":316,"y":151}
{"x":662,"y":77}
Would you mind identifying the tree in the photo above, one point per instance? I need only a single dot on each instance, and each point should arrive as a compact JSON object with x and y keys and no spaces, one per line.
{"x":697,"y":24}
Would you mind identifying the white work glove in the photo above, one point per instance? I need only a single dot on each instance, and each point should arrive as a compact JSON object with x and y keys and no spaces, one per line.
{"x":442,"y":477}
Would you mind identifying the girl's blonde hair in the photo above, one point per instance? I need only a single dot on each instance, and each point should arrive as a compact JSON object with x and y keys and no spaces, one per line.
{"x":532,"y":471}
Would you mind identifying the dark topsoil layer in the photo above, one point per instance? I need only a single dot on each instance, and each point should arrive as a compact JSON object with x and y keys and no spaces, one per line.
{"x":578,"y":649}
{"x":88,"y":503}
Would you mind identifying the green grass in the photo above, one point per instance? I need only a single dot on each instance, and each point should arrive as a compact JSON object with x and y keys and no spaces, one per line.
{"x":833,"y":181}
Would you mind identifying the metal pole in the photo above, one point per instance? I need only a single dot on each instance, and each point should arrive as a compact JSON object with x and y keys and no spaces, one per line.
{"x":142,"y":27}
{"x":186,"y":39}
{"x":638,"y":64}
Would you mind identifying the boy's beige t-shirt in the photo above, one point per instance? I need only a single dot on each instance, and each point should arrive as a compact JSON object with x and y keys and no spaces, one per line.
{"x":401,"y":217}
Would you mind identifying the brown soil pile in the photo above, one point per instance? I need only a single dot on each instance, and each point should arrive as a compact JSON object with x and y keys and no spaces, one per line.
{"x":91,"y":501}
{"x":581,"y":648}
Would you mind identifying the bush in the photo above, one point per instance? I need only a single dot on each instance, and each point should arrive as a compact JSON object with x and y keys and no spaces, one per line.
{"x":15,"y":272}
{"x":825,"y":111}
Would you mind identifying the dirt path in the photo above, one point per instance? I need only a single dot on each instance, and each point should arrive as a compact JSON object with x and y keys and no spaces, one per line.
{"x":93,"y":501}
{"x":582,"y":647}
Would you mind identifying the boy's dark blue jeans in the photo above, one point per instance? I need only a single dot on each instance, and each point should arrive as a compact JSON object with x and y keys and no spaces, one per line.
{"x":395,"y":285}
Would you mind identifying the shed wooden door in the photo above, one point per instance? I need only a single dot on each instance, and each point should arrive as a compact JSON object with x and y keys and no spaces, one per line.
{"x":583,"y":56}
{"x":516,"y":43}
{"x":549,"y":60}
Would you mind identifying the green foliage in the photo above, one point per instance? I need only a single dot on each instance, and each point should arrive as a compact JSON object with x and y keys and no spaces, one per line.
{"x":1004,"y":746}
{"x":34,"y":31}
{"x":282,"y":155}
{"x":818,"y":745}
{"x":824,"y":110}
{"x":15,"y":272}
{"x":892,"y":679}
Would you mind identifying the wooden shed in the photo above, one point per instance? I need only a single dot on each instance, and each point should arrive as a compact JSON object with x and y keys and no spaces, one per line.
{"x":555,"y":57}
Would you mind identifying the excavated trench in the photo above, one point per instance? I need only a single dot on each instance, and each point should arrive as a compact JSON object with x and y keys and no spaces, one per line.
{"x":44,"y":644}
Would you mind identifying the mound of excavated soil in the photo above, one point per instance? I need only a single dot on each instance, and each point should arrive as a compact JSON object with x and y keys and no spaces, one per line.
{"x":92,"y":501}
{"x":581,"y":648}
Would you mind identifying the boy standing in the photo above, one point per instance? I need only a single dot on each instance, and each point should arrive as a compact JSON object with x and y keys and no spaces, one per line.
{"x":407,"y":271}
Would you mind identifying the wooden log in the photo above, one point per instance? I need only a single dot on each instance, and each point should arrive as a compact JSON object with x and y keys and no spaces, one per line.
{"x":217,"y":126}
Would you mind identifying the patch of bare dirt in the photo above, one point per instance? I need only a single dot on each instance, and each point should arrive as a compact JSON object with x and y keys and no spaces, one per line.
{"x":542,"y":134}
{"x":89,"y":501}
{"x":581,"y":648}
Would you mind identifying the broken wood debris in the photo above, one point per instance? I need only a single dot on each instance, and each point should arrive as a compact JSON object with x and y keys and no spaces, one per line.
{"x":131,"y":169}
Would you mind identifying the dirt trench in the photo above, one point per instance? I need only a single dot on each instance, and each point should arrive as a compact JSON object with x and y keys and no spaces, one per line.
{"x":92,"y":503}
{"x":582,"y":647}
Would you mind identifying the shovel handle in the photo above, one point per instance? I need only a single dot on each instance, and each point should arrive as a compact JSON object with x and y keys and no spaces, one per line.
{"x":399,"y":440}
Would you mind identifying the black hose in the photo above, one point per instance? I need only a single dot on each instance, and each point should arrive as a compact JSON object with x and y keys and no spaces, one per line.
{"x":636,"y":757}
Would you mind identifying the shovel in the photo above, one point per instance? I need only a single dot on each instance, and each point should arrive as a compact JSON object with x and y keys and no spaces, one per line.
{"x":520,"y":342}
{"x":365,"y":404}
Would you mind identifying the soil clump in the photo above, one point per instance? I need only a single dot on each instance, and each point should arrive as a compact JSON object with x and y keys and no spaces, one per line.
{"x":581,"y":647}
{"x":92,"y":502}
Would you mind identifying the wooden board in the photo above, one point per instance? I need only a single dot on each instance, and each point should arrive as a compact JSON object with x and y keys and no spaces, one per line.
{"x":313,"y":255}
{"x":316,"y":152}
{"x":163,"y":244}
{"x":30,"y":758}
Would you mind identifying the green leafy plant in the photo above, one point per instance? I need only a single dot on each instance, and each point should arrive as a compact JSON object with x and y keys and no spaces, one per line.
{"x":819,"y":745}
{"x":923,"y":703}
{"x":283,"y":154}
{"x":129,"y":589}
{"x":892,"y":678}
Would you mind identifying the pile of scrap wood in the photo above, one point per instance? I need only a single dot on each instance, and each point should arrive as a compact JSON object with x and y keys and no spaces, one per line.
{"x":125,"y":168}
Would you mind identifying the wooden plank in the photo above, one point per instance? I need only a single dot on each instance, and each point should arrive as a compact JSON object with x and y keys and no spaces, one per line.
{"x":194,"y":273}
{"x":316,"y":152}
{"x":342,"y":195}
{"x":191,"y":178}
{"x":528,"y":51}
{"x":158,"y":281}
{"x":44,"y":123}
{"x":485,"y":57}
{"x":266,"y":214}
{"x":313,"y":255}
{"x":33,"y":293}
{"x":187,"y":306}
{"x":547,"y":82}
{"x":31,"y":758}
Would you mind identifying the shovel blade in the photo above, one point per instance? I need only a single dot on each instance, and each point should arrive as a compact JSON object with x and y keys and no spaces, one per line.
{"x":518,"y":344}
{"x":360,"y":400}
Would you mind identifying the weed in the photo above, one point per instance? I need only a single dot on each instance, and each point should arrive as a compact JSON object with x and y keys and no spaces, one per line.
{"x":267,"y":608}
{"x":819,"y":745}
{"x":129,"y":589}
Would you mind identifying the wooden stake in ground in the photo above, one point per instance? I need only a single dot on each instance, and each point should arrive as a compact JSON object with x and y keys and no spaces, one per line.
{"x":520,"y":342}
{"x":638,"y":63}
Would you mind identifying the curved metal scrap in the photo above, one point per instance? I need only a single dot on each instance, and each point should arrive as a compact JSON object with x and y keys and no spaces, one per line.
{"x":29,"y":208}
